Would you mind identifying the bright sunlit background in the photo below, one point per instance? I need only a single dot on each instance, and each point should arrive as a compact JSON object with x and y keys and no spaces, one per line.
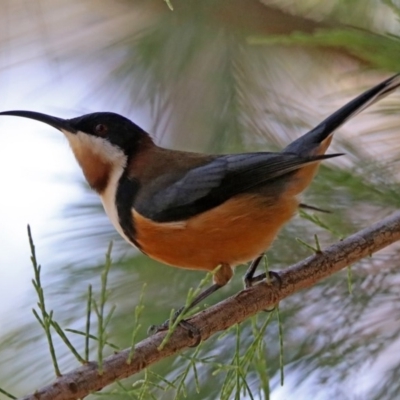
{"x":214,"y":76}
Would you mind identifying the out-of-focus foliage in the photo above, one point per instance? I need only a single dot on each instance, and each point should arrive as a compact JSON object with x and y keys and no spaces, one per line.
{"x":229,"y":76}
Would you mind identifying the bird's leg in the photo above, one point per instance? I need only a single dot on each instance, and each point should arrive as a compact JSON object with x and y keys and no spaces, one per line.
{"x":250,"y":279}
{"x":203,"y":295}
{"x":194,"y":331}
{"x":221,"y":278}
{"x":249,"y":275}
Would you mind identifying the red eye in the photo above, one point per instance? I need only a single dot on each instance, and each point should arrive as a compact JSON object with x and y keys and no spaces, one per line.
{"x":101,"y":129}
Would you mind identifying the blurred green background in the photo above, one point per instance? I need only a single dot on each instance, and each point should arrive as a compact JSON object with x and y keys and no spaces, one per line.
{"x":214,"y":76}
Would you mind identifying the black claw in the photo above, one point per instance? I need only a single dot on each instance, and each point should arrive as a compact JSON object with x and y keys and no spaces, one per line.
{"x":255,"y":279}
{"x":249,"y":282}
{"x":152,"y":330}
{"x":249,"y":276}
{"x":192,"y":330}
{"x":277,"y":277}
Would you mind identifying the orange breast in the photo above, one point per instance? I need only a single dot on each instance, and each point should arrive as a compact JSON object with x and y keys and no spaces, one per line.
{"x":233,"y":233}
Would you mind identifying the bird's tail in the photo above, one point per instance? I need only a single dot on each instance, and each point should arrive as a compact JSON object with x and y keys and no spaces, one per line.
{"x":311,"y":141}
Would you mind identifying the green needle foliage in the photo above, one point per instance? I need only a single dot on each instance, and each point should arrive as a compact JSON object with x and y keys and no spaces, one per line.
{"x":192,"y":294}
{"x":88,"y":314}
{"x":99,"y":308}
{"x":138,"y":312}
{"x":168,"y":2}
{"x":45,"y":320}
{"x":8,"y":395}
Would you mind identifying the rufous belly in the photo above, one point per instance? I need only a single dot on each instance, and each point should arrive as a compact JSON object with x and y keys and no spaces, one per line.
{"x":235,"y":232}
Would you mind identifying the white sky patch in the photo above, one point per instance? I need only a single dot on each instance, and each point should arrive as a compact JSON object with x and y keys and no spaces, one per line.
{"x":38,"y":175}
{"x":35,"y":187}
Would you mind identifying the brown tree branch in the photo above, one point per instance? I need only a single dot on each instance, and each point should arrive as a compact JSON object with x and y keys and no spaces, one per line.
{"x":85,"y":380}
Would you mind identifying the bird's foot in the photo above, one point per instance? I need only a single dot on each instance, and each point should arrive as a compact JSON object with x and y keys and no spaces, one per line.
{"x":192,"y":330}
{"x":272,"y":278}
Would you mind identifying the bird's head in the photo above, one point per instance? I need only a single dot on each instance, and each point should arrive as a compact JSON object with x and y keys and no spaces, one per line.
{"x":102,"y":142}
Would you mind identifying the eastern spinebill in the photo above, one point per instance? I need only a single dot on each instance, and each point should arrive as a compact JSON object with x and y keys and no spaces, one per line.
{"x":192,"y":210}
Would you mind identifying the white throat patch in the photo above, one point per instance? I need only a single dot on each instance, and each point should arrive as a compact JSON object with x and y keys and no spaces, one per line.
{"x":83,"y":142}
{"x":94,"y":153}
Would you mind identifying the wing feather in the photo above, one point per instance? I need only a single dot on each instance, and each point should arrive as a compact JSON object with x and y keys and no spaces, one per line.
{"x":210,"y":185}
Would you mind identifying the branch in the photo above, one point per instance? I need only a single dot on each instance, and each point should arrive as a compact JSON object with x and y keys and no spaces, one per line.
{"x":85,"y":380}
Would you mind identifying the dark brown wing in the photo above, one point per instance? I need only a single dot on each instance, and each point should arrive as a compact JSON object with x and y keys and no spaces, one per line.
{"x":210,"y":185}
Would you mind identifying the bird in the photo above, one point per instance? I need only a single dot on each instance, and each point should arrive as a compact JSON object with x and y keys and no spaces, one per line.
{"x":208,"y":212}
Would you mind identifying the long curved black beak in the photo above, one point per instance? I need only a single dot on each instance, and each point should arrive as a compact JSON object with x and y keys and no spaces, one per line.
{"x":58,"y":123}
